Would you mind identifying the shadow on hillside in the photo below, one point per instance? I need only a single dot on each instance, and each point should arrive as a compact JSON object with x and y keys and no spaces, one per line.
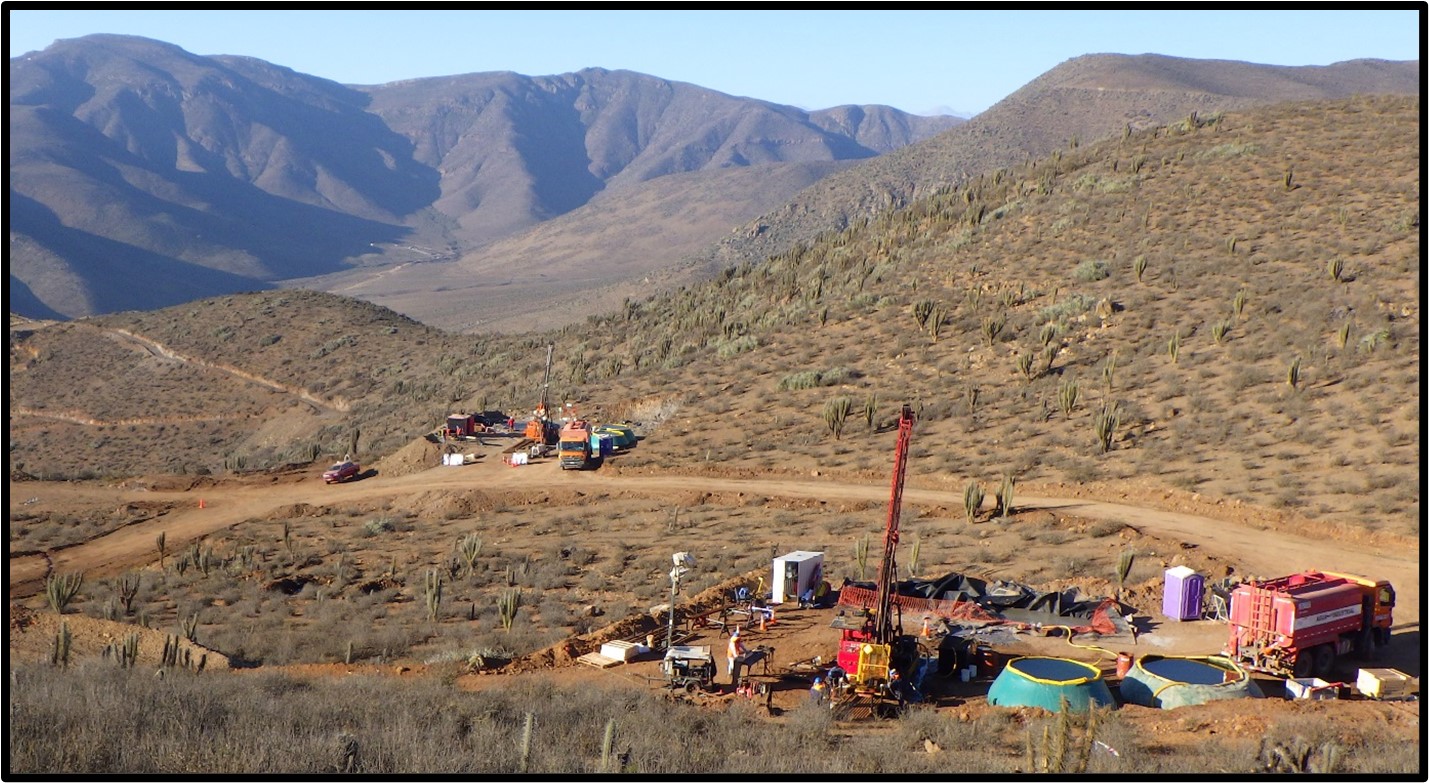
{"x":115,"y":266}
{"x":24,"y":302}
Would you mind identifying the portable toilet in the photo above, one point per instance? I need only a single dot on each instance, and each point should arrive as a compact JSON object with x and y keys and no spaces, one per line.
{"x":794,"y":573}
{"x":1182,"y":597}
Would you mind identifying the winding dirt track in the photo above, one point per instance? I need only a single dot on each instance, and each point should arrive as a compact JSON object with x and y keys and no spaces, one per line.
{"x":1264,"y":552}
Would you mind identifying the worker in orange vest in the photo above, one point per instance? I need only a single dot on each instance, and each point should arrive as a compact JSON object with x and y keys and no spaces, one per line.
{"x":818,"y":693}
{"x":735,"y":653}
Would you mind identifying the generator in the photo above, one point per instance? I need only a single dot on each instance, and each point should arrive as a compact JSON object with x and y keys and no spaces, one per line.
{"x":689,"y":666}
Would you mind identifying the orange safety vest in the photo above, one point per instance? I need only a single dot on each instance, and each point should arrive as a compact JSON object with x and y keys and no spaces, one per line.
{"x":736,"y":647}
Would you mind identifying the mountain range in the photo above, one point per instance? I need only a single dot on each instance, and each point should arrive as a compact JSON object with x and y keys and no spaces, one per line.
{"x":142,"y":175}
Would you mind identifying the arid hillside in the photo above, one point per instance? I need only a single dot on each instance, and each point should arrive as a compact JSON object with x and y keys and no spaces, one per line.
{"x":1227,"y":305}
{"x":1197,"y":344}
{"x":1084,"y":99}
{"x":625,"y":243}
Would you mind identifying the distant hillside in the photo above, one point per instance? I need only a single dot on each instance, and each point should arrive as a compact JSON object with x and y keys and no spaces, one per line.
{"x":1234,"y":298}
{"x":515,"y":150}
{"x":630,"y":242}
{"x":583,"y":262}
{"x":1079,"y":101}
{"x":142,"y":175}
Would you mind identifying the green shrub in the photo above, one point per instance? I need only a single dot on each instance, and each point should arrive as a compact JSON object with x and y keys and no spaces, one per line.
{"x":380,"y":525}
{"x":1070,"y":307}
{"x":1090,"y":271}
{"x":738,"y":345}
{"x":809,"y":379}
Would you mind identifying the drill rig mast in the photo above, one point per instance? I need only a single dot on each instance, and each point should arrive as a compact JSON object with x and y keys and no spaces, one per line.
{"x":884,"y":629}
{"x":540,"y":428}
{"x":875,"y":644}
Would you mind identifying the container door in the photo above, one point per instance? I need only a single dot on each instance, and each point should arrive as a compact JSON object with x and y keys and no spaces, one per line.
{"x":791,"y":581}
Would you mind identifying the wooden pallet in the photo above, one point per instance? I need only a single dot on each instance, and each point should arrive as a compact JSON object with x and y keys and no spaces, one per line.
{"x":598,"y":661}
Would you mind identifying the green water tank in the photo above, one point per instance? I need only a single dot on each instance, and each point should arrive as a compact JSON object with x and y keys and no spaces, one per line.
{"x":1045,"y":682}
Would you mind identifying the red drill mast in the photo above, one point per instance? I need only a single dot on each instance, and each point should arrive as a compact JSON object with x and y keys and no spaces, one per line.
{"x":884,"y":631}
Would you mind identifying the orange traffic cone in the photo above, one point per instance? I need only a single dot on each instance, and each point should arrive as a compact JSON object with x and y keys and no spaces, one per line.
{"x":926,"y":631}
{"x":762,"y":625}
{"x":200,"y":502}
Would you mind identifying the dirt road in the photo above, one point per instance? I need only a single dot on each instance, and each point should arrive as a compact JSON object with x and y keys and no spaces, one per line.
{"x":1262,"y":552}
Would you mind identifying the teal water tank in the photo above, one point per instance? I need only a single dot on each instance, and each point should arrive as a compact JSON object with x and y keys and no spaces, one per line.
{"x":1045,"y":682}
{"x":1171,"y":681}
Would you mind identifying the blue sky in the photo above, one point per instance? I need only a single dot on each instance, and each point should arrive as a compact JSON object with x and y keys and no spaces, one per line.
{"x":916,"y":60}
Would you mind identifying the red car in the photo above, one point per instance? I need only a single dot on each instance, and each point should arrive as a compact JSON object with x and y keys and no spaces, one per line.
{"x":342,"y":471}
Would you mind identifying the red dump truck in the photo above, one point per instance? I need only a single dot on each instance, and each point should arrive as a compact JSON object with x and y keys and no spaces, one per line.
{"x":1299,"y":625}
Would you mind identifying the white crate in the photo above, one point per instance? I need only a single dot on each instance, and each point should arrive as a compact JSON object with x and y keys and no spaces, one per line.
{"x":619,"y":650}
{"x":1310,"y":688}
{"x":1384,"y":683}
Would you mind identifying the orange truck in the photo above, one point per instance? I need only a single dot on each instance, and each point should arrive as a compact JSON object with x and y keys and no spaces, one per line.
{"x":573,"y":447}
{"x":1299,"y":625}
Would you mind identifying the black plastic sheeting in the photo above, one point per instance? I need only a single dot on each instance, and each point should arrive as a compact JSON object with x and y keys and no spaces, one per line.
{"x":1011,"y":600}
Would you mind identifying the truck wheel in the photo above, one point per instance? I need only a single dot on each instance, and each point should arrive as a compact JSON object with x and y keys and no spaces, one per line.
{"x":1324,"y":656}
{"x":1304,"y":664}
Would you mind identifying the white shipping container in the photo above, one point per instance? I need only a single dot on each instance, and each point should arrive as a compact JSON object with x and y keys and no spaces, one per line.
{"x":794,"y":573}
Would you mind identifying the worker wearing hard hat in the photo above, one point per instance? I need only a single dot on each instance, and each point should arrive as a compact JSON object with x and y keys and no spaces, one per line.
{"x":898,"y":687}
{"x":735,"y":654}
{"x":819,"y":692}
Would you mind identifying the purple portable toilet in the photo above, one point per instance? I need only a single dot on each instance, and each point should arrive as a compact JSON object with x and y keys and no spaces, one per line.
{"x":1182,"y":598}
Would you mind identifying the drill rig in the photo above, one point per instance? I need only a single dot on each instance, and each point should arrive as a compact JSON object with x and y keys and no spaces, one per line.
{"x":873,"y":642}
{"x":540,"y":428}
